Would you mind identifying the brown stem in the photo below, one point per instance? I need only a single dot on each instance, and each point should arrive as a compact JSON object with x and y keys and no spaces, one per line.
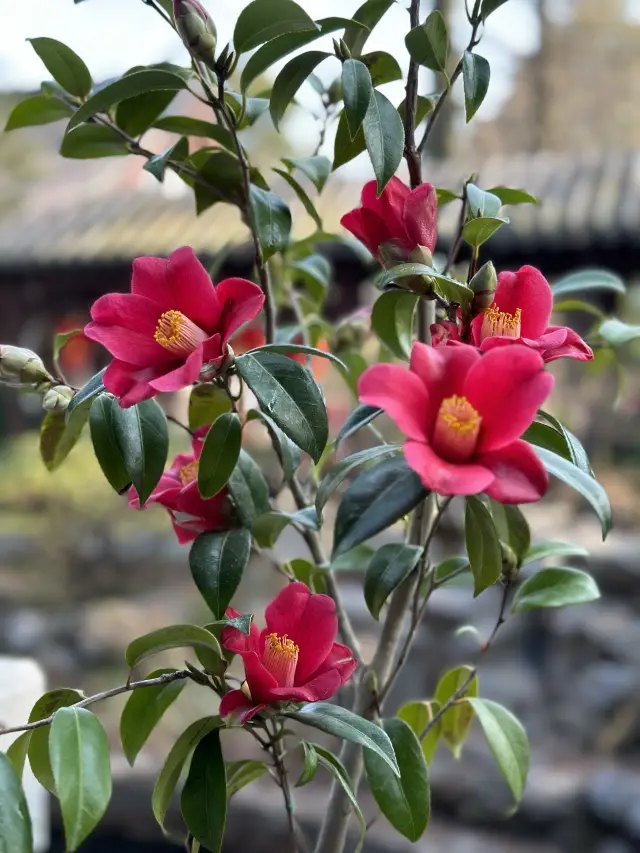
{"x":455,"y":246}
{"x":411,"y":154}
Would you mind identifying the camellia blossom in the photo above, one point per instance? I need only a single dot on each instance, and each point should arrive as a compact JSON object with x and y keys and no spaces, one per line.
{"x":294,"y":659}
{"x":463,"y":414}
{"x":177,"y":490}
{"x":397,"y":223}
{"x":519,"y":313}
{"x":172,"y":328}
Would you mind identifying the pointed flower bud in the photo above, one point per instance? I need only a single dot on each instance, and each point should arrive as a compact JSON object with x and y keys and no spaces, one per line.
{"x":20,"y":366}
{"x":57,"y":399}
{"x":196,"y":29}
{"x":483,"y":284}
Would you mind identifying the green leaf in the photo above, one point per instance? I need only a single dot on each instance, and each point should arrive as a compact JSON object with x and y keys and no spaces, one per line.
{"x":392,"y":319}
{"x":510,"y":195}
{"x":82,"y":772}
{"x":512,"y":528}
{"x":482,"y":202}
{"x":378,"y":498}
{"x":59,"y":343}
{"x":337,"y":721}
{"x":289,"y":80}
{"x":267,"y":528}
{"x":555,"y":587}
{"x":143,"y":439}
{"x":587,"y":486}
{"x":204,"y":797}
{"x":136,"y":115}
{"x":138,"y":83}
{"x":218,"y":561}
{"x":171,"y":637}
{"x":579,"y":305}
{"x":475,"y":77}
{"x":418,"y":715}
{"x":248,"y":489}
{"x":105,"y":445}
{"x":242,"y":773}
{"x":91,"y":141}
{"x":543,"y":550}
{"x":176,"y":153}
{"x":17,"y":754}
{"x":15,"y":821}
{"x":478,"y":231}
{"x":357,"y":90}
{"x":428,"y":43}
{"x":253,"y":108}
{"x":315,"y":269}
{"x":341,"y":470}
{"x":317,"y":169}
{"x":345,"y":148}
{"x":58,"y":437}
{"x":264,"y":20}
{"x":449,"y":288}
{"x":358,"y":419}
{"x":272,"y":219}
{"x":301,"y":348}
{"x":38,"y":748}
{"x":617,"y":333}
{"x":175,"y":761}
{"x":383,"y":68}
{"x":456,"y":720}
{"x":587,"y":281}
{"x":38,"y":109}
{"x":369,"y":15}
{"x":288,"y":453}
{"x":384,"y":138}
{"x":302,"y":196}
{"x":355,"y":560}
{"x":310,"y":764}
{"x":389,"y":567}
{"x":64,"y":65}
{"x":187,"y":126}
{"x":450,"y":566}
{"x":575,"y":451}
{"x":144,"y":710}
{"x":220,"y":454}
{"x":206,"y":403}
{"x":507,"y":741}
{"x":426,"y":105}
{"x":489,"y":6}
{"x":288,"y":394}
{"x":88,"y":391}
{"x":405,"y":800}
{"x":445,"y":196}
{"x":483,"y":545}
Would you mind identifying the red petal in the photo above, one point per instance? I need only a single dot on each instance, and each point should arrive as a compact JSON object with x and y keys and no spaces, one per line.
{"x":192,"y":289}
{"x":321,"y":687}
{"x":506,"y":387}
{"x":236,"y":702}
{"x":520,"y":477}
{"x":236,"y":641}
{"x":128,"y":382}
{"x":389,"y":206}
{"x":183,"y":376}
{"x":124,"y":309}
{"x":443,"y":332}
{"x":529,"y":290}
{"x":125,"y":325}
{"x":261,"y":682}
{"x":443,"y":477}
{"x":213,"y":512}
{"x":149,"y":279}
{"x":572,"y":347}
{"x":340,"y":659}
{"x":401,"y":394}
{"x":420,"y":216}
{"x":368,"y":227}
{"x":184,"y":534}
{"x":442,"y":371}
{"x":240,"y":301}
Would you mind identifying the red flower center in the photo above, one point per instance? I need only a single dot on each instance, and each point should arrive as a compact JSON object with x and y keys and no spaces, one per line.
{"x":189,"y":472}
{"x":178,"y":333}
{"x":456,"y":431}
{"x":281,"y":658}
{"x":496,"y":323}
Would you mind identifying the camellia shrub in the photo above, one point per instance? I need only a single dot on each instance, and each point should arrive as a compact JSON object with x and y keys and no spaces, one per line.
{"x":463,"y":371}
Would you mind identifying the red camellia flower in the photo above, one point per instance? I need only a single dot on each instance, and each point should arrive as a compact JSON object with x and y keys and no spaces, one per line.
{"x":520,"y":312}
{"x":173,"y":326}
{"x":294,"y":659}
{"x":397,"y":222}
{"x":177,"y":490}
{"x":463,"y":414}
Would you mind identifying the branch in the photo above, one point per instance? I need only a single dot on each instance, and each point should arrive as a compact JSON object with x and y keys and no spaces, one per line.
{"x":115,"y":691}
{"x":411,"y":154}
{"x":455,"y":246}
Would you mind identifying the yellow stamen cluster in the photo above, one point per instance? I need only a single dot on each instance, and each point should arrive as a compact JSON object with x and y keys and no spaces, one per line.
{"x":500,"y":323}
{"x":168,"y":331}
{"x":456,"y":430}
{"x":282,"y":646}
{"x":189,"y":472}
{"x":458,"y":414}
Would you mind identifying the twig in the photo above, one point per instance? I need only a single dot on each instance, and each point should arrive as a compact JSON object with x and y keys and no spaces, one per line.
{"x":107,"y":694}
{"x":455,"y":246}
{"x":411,"y":153}
{"x":179,"y":423}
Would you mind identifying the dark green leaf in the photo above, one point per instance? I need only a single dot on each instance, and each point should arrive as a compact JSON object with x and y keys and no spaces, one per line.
{"x":345,"y":148}
{"x":176,"y":153}
{"x":302,"y":196}
{"x":218,"y":561}
{"x":253,"y":108}
{"x":15,"y":821}
{"x":575,"y":450}
{"x":483,"y":545}
{"x":542,"y":550}
{"x":509,"y":195}
{"x":315,"y":269}
{"x":392,"y":319}
{"x":38,"y":109}
{"x":560,"y":441}
{"x":290,"y":396}
{"x":17,"y":754}
{"x":242,"y":773}
{"x":355,"y":560}
{"x":389,"y":567}
{"x":341,"y":470}
{"x":512,"y":528}
{"x":263,"y":20}
{"x":88,"y":391}
{"x":428,"y":43}
{"x":267,"y":528}
{"x":272,"y":219}
{"x":220,"y":454}
{"x":449,"y":288}
{"x":58,"y":436}
{"x":64,"y":65}
{"x":136,"y":115}
{"x":358,"y":419}
{"x":206,"y":403}
{"x":507,"y":741}
{"x":289,"y":80}
{"x":91,"y":141}
{"x":187,"y":126}
{"x":383,"y":68}
{"x":489,"y":6}
{"x":617,"y":333}
{"x":143,"y":439}
{"x":587,"y":281}
{"x":404,"y":801}
{"x":450,"y":566}
{"x":378,"y":498}
{"x":171,"y":637}
{"x":456,"y":720}
{"x":144,"y":710}
{"x":289,"y":454}
{"x":369,"y":14}
{"x":482,"y":202}
{"x":426,"y":105}
{"x":478,"y":231}
{"x":248,"y":489}
{"x":555,"y":587}
{"x":475,"y":76}
{"x":418,"y":715}
{"x":384,"y":138}
{"x":204,"y":797}
{"x":317,"y":168}
{"x":221,"y":171}
{"x":445,"y":196}
{"x":104,"y":441}
{"x":301,"y":348}
{"x":310,"y":764}
{"x":38,"y":748}
{"x":82,"y":771}
{"x":308,"y":573}
{"x":357,"y":90}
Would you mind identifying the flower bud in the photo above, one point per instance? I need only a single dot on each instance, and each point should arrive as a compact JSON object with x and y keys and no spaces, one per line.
{"x":196,"y":29}
{"x":351,"y":334}
{"x":421,"y":255}
{"x":57,"y":399}
{"x":483,"y":284}
{"x":392,"y":252}
{"x":20,"y":366}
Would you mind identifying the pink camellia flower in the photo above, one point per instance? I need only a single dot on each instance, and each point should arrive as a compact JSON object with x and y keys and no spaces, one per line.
{"x":173,"y":326}
{"x":463,"y":414}
{"x":294,"y":659}
{"x":520,"y":312}
{"x":396,"y":224}
{"x":177,"y":490}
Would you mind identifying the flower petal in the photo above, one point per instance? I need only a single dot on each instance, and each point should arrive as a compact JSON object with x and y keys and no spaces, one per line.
{"x":235,"y":702}
{"x":506,"y":387}
{"x":420,"y":216}
{"x":340,"y":659}
{"x":192,"y":289}
{"x":401,"y":394}
{"x":520,"y":477}
{"x":127,"y":310}
{"x":367,"y":227}
{"x":149,"y":278}
{"x":260,"y":681}
{"x":321,"y":687}
{"x":213,"y":512}
{"x":443,"y":477}
{"x":182,"y":376}
{"x":125,"y":325}
{"x":129,"y":382}
{"x":572,"y":347}
{"x":442,"y":371}
{"x":443,"y":332}
{"x":236,"y":641}
{"x":528,"y":290}
{"x":240,"y":301}
{"x":389,"y":206}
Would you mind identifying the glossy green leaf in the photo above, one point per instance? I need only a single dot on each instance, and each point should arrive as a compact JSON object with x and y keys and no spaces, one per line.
{"x":82,"y":771}
{"x":344,"y":724}
{"x":507,"y":741}
{"x":543,"y":550}
{"x":489,"y":6}
{"x":478,"y":231}
{"x":392,"y":319}
{"x":105,"y":445}
{"x":204,"y":797}
{"x":187,"y":126}
{"x":342,"y":469}
{"x":263,"y":20}
{"x":555,"y":587}
{"x":310,"y":764}
{"x":576,"y":452}
{"x":450,"y":566}
{"x":144,"y":710}
{"x":206,"y":403}
{"x":383,"y":68}
{"x":357,"y":91}
{"x":389,"y":567}
{"x":143,"y":439}
{"x":15,"y":822}
{"x":475,"y":77}
{"x":248,"y":489}
{"x":286,"y":349}
{"x":617,"y":333}
{"x":38,"y":109}
{"x":218,"y":560}
{"x":315,"y":268}
{"x":445,"y":196}
{"x":384,"y":138}
{"x":449,"y":288}
{"x":316,"y":168}
{"x":288,"y":453}
{"x":59,"y":436}
{"x":92,"y":141}
{"x":354,"y":560}
{"x":456,"y":720}
{"x":428,"y":43}
{"x":511,"y":195}
{"x":418,"y":715}
{"x":289,"y":80}
{"x":241,"y":773}
{"x":253,"y":108}
{"x":483,"y":545}
{"x":302,"y":197}
{"x":17,"y":753}
{"x":405,"y":800}
{"x":482,"y":202}
{"x":88,"y":391}
{"x":345,"y":148}
{"x":176,"y":153}
{"x":267,"y":528}
{"x":38,"y":747}
{"x":171,"y":637}
{"x":512,"y":528}
{"x":220,"y":454}
{"x":359,"y":418}
{"x":272,"y":219}
{"x":587,"y":281}
{"x":378,"y":498}
{"x":136,"y":115}
{"x":64,"y":65}
{"x":288,"y":394}
{"x":557,"y":438}
{"x":369,"y":15}
{"x":220,"y":171}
